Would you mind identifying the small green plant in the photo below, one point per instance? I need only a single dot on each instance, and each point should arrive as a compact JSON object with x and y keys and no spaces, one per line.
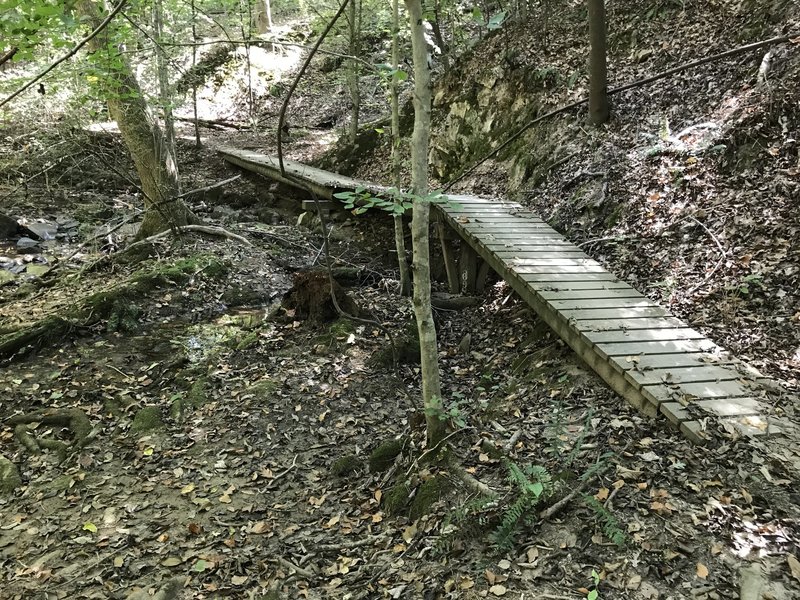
{"x":392,"y":200}
{"x":747,"y":285}
{"x":608,"y":522}
{"x":533,"y":484}
{"x":452,"y":414}
{"x":594,"y":594}
{"x":465,"y":521}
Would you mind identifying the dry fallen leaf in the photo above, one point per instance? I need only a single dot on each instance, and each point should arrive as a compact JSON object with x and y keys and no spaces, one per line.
{"x":498,"y":590}
{"x":794,"y":566}
{"x":260,"y":527}
{"x":702,"y":571}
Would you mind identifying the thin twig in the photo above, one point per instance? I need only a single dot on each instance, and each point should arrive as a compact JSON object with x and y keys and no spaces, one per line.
{"x":298,"y":77}
{"x":208,"y":188}
{"x":722,"y":252}
{"x":283,"y":473}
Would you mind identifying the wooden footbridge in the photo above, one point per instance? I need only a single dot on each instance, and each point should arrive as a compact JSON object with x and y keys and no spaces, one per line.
{"x":655,"y":361}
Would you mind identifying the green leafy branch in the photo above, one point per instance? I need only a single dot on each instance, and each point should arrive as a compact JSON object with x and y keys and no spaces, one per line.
{"x":393,"y":200}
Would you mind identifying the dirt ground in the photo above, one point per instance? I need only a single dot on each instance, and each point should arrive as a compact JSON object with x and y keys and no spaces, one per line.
{"x":231,"y":490}
{"x":231,"y":484}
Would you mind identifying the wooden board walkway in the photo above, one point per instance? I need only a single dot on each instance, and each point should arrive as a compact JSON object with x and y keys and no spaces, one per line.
{"x":655,"y":361}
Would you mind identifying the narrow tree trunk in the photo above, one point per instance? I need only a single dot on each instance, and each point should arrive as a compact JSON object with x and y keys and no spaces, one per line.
{"x":263,"y":16}
{"x":157,"y":170}
{"x":165,"y":93}
{"x":399,"y":232}
{"x":197,"y":141}
{"x":431,"y":380}
{"x":598,"y":76}
{"x":354,"y":13}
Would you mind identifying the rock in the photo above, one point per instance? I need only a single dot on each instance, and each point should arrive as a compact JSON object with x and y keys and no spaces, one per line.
{"x":26,"y":244}
{"x":8,"y":227}
{"x":306,"y":219}
{"x":44,"y":231}
{"x":147,"y":419}
{"x":37,"y":270}
{"x":9,"y":476}
{"x":6,"y":277}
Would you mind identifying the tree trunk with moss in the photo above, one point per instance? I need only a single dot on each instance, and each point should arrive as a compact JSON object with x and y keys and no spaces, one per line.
{"x":429,"y":353}
{"x":399,"y":232}
{"x":157,"y":170}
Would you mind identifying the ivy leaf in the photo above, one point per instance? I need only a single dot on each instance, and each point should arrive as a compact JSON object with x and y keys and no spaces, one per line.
{"x":497,"y":20}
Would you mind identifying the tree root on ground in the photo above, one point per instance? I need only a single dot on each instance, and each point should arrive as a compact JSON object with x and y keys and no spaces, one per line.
{"x":70,"y":418}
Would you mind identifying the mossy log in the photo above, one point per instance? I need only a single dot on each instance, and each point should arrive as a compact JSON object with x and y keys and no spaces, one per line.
{"x":103,"y":305}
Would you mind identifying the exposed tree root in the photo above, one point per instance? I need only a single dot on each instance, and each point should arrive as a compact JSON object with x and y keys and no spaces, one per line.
{"x":70,"y":418}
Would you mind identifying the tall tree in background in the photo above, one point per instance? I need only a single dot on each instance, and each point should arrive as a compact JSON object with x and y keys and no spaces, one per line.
{"x":598,"y":75}
{"x":354,"y":71}
{"x":144,"y":139}
{"x":263,"y":16}
{"x":399,"y":232}
{"x":429,"y":355}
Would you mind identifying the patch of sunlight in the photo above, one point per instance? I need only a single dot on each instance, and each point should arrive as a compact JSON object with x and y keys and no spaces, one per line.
{"x":796,"y":357}
{"x":760,"y":539}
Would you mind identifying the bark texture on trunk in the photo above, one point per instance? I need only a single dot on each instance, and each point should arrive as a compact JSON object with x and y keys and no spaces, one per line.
{"x":598,"y":76}
{"x":144,"y":139}
{"x":263,"y":16}
{"x":431,"y":379}
{"x":354,"y":22}
{"x":399,"y":233}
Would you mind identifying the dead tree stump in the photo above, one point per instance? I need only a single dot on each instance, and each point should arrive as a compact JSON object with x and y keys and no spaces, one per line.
{"x":310,"y":298}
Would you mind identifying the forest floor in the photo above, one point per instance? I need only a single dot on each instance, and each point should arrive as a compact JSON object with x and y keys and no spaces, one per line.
{"x":231,"y":490}
{"x":233,"y":486}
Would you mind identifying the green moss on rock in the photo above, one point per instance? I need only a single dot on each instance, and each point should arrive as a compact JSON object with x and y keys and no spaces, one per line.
{"x":383,"y":456}
{"x":10,"y":478}
{"x":198,"y":393}
{"x":428,"y":493}
{"x":396,"y":499}
{"x":264,"y":389}
{"x":147,"y":419}
{"x":345,"y":465}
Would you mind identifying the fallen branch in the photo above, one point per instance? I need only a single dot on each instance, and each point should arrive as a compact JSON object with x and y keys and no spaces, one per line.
{"x":208,"y":188}
{"x":207,"y":229}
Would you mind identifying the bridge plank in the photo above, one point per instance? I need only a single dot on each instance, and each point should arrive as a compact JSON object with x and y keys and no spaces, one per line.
{"x":595,"y":294}
{"x":643,"y":335}
{"x":693,"y":374}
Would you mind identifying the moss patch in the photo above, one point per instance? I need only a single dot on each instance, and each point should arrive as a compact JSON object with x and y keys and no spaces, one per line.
{"x":396,"y":499}
{"x":345,"y":465}
{"x":428,"y":493}
{"x":9,"y":476}
{"x":198,"y":393}
{"x":147,"y":419}
{"x":383,"y":456}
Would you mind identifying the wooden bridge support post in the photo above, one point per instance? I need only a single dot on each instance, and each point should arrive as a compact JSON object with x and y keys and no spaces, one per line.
{"x":482,"y":276}
{"x":469,"y":267}
{"x":448,"y":253}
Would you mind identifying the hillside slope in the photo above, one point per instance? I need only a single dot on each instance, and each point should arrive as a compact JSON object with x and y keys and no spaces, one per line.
{"x":690,"y":193}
